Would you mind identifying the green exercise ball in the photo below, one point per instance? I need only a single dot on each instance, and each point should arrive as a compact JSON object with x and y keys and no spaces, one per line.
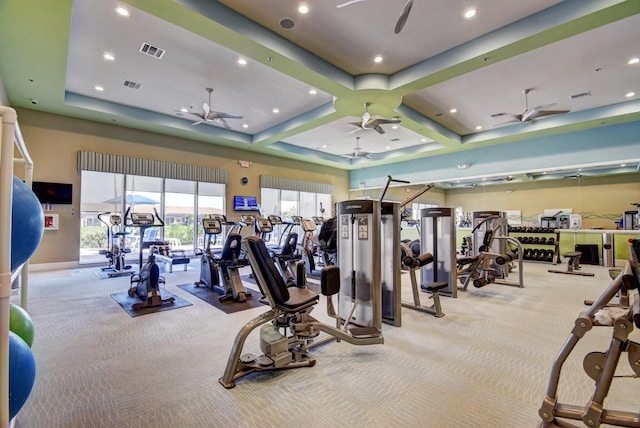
{"x":21,"y":324}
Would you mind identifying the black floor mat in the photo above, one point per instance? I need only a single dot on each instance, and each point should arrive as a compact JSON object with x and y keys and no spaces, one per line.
{"x":126,"y":302}
{"x":228,"y":307}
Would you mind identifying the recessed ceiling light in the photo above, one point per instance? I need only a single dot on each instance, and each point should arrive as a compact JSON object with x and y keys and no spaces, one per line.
{"x":470,"y":13}
{"x":324,"y":146}
{"x":484,"y":179}
{"x":184,"y":110}
{"x":122,"y":11}
{"x":303,"y":8}
{"x":453,"y":110}
{"x":630,"y":94}
{"x":388,"y":147}
{"x":108,"y":56}
{"x":245,"y":126}
{"x":276,"y":110}
{"x":312,"y":91}
{"x":623,"y":164}
{"x":424,"y":140}
{"x":377,"y":59}
{"x":242,"y":61}
{"x":478,"y":128}
{"x":634,"y":61}
{"x":394,"y":127}
{"x":98,"y":88}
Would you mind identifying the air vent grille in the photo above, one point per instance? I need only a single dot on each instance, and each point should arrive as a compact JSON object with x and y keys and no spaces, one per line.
{"x":498,"y":114}
{"x":394,"y":140}
{"x":132,"y":85}
{"x":583,"y":94}
{"x":153,"y":51}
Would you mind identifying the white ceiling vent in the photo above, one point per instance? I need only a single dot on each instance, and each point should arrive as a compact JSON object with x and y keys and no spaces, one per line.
{"x":153,"y":51}
{"x":132,"y":85}
{"x":583,"y":94}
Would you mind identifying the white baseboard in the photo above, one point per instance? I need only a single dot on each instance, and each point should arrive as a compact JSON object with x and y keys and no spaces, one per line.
{"x":43,"y":267}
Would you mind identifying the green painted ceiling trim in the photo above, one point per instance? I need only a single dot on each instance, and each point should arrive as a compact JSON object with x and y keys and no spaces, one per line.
{"x":224,"y":26}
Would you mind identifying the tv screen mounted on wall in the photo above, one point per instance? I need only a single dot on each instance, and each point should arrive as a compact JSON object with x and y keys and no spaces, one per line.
{"x":245,"y":203}
{"x":53,"y":193}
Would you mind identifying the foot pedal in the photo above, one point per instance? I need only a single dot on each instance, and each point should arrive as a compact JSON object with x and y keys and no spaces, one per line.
{"x":364,"y":332}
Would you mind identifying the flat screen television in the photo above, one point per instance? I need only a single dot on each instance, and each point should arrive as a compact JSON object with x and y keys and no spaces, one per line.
{"x":245,"y":203}
{"x":53,"y":193}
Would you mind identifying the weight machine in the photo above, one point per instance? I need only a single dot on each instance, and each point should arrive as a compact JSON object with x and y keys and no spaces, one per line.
{"x":601,"y":366}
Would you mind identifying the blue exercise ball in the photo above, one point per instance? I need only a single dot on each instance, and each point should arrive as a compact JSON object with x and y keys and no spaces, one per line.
{"x":22,"y":373}
{"x":27,"y":223}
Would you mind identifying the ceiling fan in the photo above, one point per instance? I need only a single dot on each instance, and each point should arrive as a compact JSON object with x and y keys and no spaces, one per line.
{"x":402,"y":19}
{"x":530,"y":115}
{"x":368,"y":122}
{"x":214,"y":117}
{"x":358,"y":152}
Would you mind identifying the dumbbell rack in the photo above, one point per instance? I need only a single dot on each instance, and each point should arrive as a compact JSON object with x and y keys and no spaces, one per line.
{"x":538,"y":243}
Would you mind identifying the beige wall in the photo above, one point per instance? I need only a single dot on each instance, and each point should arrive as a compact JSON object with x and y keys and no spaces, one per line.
{"x":54,"y":141}
{"x":600,"y":201}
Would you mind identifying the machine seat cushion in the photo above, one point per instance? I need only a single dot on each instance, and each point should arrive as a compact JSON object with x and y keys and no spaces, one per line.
{"x":572,"y":254}
{"x":299,"y":298}
{"x":434,"y":286}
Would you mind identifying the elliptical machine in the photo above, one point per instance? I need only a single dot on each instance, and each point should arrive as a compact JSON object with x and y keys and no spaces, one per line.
{"x":221,"y":273}
{"x":116,"y":246}
{"x":146,"y":283}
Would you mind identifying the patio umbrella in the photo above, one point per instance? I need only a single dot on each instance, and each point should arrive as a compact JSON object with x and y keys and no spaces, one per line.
{"x":133,"y":200}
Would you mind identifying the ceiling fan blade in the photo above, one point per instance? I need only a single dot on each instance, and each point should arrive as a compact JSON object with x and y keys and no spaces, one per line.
{"x":542,"y":113}
{"x":347,"y":3}
{"x":222,"y":115}
{"x":402,"y":19}
{"x":222,"y":122}
{"x":196,"y":123}
{"x":379,"y":129}
{"x":206,"y":109}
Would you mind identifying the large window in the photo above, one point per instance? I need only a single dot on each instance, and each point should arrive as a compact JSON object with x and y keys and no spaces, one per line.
{"x":178,"y":203}
{"x":287,"y":203}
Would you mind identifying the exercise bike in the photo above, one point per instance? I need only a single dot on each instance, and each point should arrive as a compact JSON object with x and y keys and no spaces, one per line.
{"x":220,"y":273}
{"x":146,"y":283}
{"x":116,"y":246}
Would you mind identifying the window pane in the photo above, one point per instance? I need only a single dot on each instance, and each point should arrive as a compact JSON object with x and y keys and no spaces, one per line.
{"x":179,"y":203}
{"x":211,"y":200}
{"x":289,"y":203}
{"x":100,"y":192}
{"x":143,"y":195}
{"x":325,"y":207}
{"x":270,"y":201}
{"x":308,"y":204}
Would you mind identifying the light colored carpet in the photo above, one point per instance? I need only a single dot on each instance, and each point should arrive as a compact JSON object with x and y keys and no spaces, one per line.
{"x":486,"y":363}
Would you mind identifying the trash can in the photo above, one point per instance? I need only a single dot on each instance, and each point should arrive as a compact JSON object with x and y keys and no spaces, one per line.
{"x":608,"y":259}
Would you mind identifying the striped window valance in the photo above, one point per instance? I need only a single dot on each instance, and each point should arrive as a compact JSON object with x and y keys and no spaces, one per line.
{"x":103,"y":162}
{"x":282,"y":183}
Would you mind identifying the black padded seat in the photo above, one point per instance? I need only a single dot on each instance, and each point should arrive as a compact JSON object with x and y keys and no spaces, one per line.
{"x":434,"y":286}
{"x":280,"y":296}
{"x":298,"y":298}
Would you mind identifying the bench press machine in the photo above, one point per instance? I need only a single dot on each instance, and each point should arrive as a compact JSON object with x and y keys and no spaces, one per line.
{"x":601,"y":366}
{"x":292,"y":331}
